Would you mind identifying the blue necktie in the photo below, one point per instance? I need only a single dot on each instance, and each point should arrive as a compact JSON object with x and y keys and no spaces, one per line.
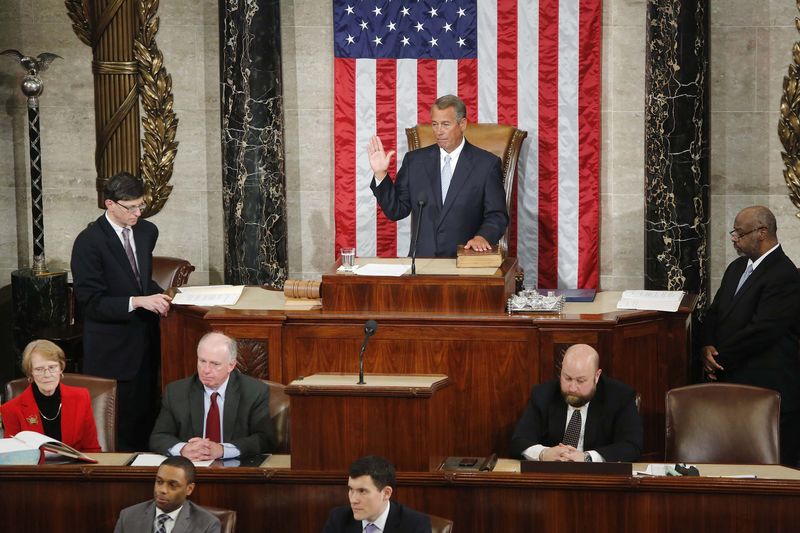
{"x":447,"y":175}
{"x":745,"y":275}
{"x":162,"y":519}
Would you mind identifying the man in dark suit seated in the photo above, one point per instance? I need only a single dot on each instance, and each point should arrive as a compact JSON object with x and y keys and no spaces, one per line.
{"x":582,"y":416}
{"x":218,"y":413}
{"x":169,"y":506}
{"x":752,"y":328}
{"x":370,"y":486}
{"x":460,"y":184}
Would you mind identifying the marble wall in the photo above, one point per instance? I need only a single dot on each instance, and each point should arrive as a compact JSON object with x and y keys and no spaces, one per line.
{"x":751,"y":46}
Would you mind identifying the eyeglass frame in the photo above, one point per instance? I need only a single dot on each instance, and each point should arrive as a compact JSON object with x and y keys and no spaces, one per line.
{"x":49,"y":369}
{"x":132,"y":209}
{"x":736,"y":235}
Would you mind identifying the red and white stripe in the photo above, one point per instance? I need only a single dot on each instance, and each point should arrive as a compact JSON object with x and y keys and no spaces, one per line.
{"x":538,"y":67}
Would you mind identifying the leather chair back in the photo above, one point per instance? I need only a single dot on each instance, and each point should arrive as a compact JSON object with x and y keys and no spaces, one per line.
{"x":279,"y":412}
{"x":102,"y":392}
{"x":227,"y":518}
{"x":440,"y":525}
{"x":722,"y":423}
{"x":171,"y":271}
{"x":500,"y":139}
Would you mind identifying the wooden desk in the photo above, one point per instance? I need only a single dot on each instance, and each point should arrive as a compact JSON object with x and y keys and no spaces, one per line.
{"x":493,"y":359}
{"x":70,"y":498}
{"x":401,"y":416}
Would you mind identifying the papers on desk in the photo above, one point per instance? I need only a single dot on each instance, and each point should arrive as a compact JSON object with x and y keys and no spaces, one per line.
{"x":651,"y":300}
{"x":154,"y":459}
{"x":209,"y":295}
{"x":659,"y":470}
{"x":380,"y":269}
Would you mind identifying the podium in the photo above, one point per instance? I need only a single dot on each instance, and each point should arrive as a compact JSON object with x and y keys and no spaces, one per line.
{"x":402,"y":417}
{"x":438,"y":287}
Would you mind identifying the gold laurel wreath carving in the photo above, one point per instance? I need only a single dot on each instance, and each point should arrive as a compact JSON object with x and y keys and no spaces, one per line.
{"x":76,"y":11}
{"x":789,"y":124}
{"x":159,"y":122}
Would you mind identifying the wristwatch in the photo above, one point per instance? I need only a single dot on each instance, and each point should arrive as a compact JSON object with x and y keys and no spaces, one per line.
{"x":587,"y":457}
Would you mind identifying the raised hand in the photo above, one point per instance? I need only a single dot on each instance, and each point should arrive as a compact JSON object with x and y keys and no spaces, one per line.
{"x":378,"y":159}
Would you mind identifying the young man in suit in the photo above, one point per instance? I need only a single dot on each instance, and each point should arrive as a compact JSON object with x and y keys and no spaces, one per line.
{"x":460,"y":184}
{"x":218,"y":413}
{"x":121,"y":305}
{"x":752,"y":328}
{"x":370,"y":487}
{"x":581,"y":416}
{"x":169,"y":510}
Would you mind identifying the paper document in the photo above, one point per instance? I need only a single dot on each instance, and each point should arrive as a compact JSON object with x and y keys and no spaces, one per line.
{"x":154,"y":459}
{"x":209,"y":295}
{"x":651,"y":300}
{"x":378,"y":269}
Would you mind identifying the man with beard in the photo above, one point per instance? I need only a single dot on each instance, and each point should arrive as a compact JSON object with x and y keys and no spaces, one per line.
{"x":581,"y":416}
{"x":752,"y":328}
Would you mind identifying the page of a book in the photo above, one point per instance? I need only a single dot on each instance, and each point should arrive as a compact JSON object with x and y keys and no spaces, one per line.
{"x":154,"y":459}
{"x":378,"y":269}
{"x":209,"y":295}
{"x":38,"y":441}
{"x":651,"y":300}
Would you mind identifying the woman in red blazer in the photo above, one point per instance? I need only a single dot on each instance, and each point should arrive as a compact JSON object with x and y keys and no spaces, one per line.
{"x":48,"y":406}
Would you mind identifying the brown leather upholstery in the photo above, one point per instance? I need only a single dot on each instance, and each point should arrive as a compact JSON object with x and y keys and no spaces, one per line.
{"x":279,"y":412}
{"x":171,"y":271}
{"x":103,"y":393}
{"x":722,"y":423}
{"x":440,"y":525}
{"x":227,"y":518}
{"x":500,"y":139}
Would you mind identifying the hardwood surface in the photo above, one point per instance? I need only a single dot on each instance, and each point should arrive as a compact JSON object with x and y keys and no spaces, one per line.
{"x":493,"y":359}
{"x":71,"y":498}
{"x":387,"y":416}
{"x":454,"y":293}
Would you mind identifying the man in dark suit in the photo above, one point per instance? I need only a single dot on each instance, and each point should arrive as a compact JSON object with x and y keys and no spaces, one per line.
{"x":582,"y":416}
{"x":752,"y":328}
{"x":460,"y":184}
{"x":218,"y":413}
{"x":174,"y":483}
{"x":370,"y":487}
{"x":121,"y":304}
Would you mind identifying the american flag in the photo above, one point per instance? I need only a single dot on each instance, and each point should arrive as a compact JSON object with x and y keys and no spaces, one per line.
{"x":530,"y":63}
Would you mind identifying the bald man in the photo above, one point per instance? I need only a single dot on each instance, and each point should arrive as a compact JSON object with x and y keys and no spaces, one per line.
{"x":581,"y":416}
{"x":752,"y":328}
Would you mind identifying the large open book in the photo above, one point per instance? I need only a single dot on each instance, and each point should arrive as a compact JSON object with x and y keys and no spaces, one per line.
{"x":26,"y":447}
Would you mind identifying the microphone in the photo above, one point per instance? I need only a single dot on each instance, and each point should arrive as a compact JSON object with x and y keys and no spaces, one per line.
{"x":369,"y":330}
{"x":422,"y":199}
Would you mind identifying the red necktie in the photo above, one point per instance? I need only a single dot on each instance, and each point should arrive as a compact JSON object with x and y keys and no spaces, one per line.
{"x":212,"y":420}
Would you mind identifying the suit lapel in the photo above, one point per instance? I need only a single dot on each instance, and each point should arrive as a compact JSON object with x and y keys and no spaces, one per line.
{"x":184,"y":521}
{"x":231,"y":406}
{"x":117,"y":250}
{"x":142,"y":257}
{"x":558,"y":419}
{"x":68,"y":414}
{"x":731,"y":296}
{"x":593,"y":415}
{"x":147,"y":518}
{"x":461,"y":175}
{"x":197,"y":406}
{"x":30,"y":411}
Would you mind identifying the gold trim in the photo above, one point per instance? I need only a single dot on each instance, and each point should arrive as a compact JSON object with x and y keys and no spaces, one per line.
{"x":789,"y":124}
{"x":115,"y":67}
{"x":76,"y":11}
{"x":159,"y":122}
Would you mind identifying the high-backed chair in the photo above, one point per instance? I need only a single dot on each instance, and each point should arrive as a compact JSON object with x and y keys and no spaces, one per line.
{"x":722,"y":423}
{"x":440,"y":525}
{"x":227,"y":518}
{"x":103,"y":393}
{"x":279,"y":412}
{"x":500,"y":139}
{"x":171,"y":271}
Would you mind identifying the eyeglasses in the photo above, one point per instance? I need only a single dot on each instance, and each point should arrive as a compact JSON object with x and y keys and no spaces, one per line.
{"x":50,"y":369}
{"x":736,"y":235}
{"x":132,"y":208}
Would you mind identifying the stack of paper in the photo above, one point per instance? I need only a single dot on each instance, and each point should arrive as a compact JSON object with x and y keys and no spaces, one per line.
{"x":209,"y":295}
{"x":651,"y":300}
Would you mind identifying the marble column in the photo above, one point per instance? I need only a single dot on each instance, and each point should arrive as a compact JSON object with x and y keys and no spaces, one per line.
{"x":253,"y":173}
{"x":677,"y":192}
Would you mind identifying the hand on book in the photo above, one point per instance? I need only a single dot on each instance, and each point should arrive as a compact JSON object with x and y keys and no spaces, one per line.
{"x":478,"y":243}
